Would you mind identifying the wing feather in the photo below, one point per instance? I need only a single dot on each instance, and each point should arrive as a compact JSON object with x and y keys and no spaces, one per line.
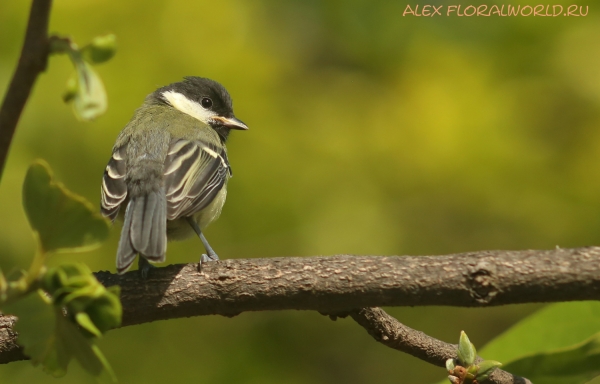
{"x":114,"y":188}
{"x":194,"y":173}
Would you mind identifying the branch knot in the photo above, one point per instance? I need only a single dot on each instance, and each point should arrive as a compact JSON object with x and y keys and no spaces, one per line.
{"x":481,"y":282}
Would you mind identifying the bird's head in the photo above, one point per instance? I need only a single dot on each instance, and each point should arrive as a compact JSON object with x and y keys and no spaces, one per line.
{"x":203,"y":99}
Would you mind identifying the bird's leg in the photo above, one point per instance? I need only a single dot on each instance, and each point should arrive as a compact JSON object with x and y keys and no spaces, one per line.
{"x":210,"y":254}
{"x":144,"y":266}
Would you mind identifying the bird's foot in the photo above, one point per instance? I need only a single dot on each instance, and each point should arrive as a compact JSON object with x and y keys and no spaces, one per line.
{"x":211,"y":256}
{"x":144,"y":267}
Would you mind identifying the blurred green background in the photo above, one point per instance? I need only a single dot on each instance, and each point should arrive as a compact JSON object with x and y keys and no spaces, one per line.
{"x":371,"y":133}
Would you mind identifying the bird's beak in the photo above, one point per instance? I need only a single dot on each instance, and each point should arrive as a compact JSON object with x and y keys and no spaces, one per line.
{"x":230,"y":122}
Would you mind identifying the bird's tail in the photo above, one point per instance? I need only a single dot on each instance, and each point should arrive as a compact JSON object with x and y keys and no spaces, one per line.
{"x":144,"y":230}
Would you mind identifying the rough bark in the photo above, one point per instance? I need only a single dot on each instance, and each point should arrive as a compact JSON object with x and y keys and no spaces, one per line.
{"x":343,"y":284}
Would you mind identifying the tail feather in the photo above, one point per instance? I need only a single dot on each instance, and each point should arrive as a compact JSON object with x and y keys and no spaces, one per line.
{"x":159,"y":231}
{"x":125,"y":253}
{"x":141,"y":223}
{"x":144,"y":230}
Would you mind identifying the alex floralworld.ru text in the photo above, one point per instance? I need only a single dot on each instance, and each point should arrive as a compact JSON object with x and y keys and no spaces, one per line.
{"x":495,"y":10}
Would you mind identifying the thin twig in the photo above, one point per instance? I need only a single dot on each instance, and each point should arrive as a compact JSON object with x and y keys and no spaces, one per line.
{"x":390,"y":332}
{"x":33,"y":61}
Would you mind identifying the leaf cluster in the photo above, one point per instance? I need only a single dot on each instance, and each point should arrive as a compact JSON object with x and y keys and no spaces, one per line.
{"x":62,"y":310}
{"x":463,"y":369}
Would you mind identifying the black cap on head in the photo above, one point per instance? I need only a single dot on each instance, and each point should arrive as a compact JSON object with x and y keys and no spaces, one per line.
{"x":198,"y":88}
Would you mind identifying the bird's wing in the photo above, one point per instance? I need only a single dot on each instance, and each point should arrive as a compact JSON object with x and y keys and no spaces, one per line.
{"x":194,"y":173}
{"x":114,"y":189}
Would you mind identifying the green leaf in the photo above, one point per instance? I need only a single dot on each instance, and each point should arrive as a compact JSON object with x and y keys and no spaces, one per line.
{"x":556,"y":327}
{"x":53,"y":340}
{"x":101,"y":49}
{"x":70,"y":343}
{"x":95,"y":308}
{"x":562,"y":329}
{"x":87,"y":95}
{"x":466,"y":350}
{"x":36,"y":329}
{"x":106,"y":312}
{"x":86,"y":323}
{"x":486,"y":368}
{"x":553,"y":327}
{"x":63,"y":221}
{"x":577,"y":364}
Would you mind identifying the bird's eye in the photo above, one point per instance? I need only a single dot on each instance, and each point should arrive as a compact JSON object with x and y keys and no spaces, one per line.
{"x":206,"y":103}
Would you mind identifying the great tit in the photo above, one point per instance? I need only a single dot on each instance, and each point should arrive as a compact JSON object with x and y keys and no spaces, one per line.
{"x":169,"y":168}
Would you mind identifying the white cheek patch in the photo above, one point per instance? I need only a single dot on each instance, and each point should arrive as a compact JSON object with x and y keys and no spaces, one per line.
{"x":187,"y":106}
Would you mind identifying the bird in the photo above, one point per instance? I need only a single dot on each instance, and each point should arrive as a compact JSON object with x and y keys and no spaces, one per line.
{"x":169,"y":170}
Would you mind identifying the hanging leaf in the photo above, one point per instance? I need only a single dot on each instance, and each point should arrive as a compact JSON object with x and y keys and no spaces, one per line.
{"x":63,"y":221}
{"x":89,"y":99}
{"x":72,"y":343}
{"x":84,"y":87}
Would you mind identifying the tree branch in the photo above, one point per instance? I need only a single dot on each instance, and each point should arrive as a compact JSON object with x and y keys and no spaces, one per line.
{"x":33,"y":61}
{"x":390,"y":332}
{"x":343,"y":283}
